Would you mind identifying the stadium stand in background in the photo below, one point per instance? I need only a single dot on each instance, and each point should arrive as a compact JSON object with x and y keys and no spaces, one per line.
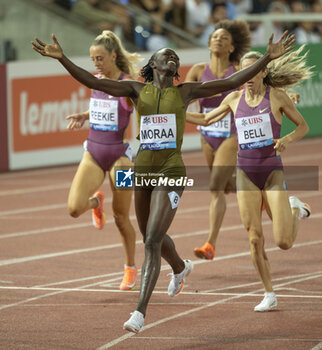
{"x":146,"y":25}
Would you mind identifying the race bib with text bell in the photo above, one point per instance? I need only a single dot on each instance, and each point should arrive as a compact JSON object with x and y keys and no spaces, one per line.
{"x":255,"y":131}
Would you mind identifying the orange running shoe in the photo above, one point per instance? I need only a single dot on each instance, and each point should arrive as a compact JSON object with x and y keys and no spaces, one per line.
{"x":98,"y":215}
{"x":129,"y":278}
{"x":207,"y":251}
{"x":263,"y":204}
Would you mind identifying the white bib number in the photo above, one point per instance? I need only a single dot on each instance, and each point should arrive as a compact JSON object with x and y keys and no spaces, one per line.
{"x":174,"y":199}
{"x":218,"y":129}
{"x":103,"y":114}
{"x":158,"y":131}
{"x":255,"y":131}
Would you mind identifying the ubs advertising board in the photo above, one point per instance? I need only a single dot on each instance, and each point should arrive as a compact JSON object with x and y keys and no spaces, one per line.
{"x":40,"y":94}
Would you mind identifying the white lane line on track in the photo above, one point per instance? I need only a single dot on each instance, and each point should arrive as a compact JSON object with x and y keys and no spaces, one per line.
{"x":260,"y":283}
{"x":286,"y":161}
{"x":33,"y":209}
{"x":120,"y":339}
{"x":88,"y":224}
{"x":165,"y":268}
{"x":86,"y":289}
{"x":300,"y":290}
{"x":91,"y":290}
{"x":40,"y":208}
{"x":57,"y":254}
{"x":44,"y":296}
{"x":39,"y":172}
{"x":83,"y":279}
{"x":109,"y":199}
{"x":132,"y":217}
{"x":111,"y":246}
{"x":46,"y":188}
{"x":47,"y":207}
{"x":72,"y":167}
{"x":166,"y":319}
{"x":236,"y":339}
{"x":219,"y":291}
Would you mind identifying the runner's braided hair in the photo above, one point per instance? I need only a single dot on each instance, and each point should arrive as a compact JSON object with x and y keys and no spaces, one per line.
{"x":147,"y":71}
{"x":286,"y":71}
{"x":125,"y":61}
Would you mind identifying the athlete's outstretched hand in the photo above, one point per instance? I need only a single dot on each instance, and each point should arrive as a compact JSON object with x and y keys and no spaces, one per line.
{"x":76,"y":121}
{"x":281,"y":47}
{"x":280,"y":144}
{"x":295,"y":97}
{"x":51,"y":50}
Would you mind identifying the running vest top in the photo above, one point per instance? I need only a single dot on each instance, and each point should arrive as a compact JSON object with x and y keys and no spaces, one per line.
{"x":109,"y":116}
{"x":208,"y":104}
{"x":256,"y":127}
{"x":161,"y":118}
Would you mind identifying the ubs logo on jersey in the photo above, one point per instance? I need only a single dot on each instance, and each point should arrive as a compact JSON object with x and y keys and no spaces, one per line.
{"x":146,"y":120}
{"x":244,"y":122}
{"x":255,"y":120}
{"x":250,"y":121}
{"x":159,"y":119}
{"x":101,"y":103}
{"x":154,"y":120}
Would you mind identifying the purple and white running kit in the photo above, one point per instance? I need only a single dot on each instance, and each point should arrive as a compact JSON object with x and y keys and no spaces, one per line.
{"x":109,"y":116}
{"x":256,"y":127}
{"x":216,"y":133}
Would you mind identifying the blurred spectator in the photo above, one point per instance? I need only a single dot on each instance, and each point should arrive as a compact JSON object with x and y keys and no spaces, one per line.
{"x":243,"y":6}
{"x":297,"y":6}
{"x":198,"y":14}
{"x":124,"y":28}
{"x":260,"y":6}
{"x":304,"y":31}
{"x":258,"y":30}
{"x":176,"y":15}
{"x":257,"y":33}
{"x":145,"y":28}
{"x":94,"y":17}
{"x":219,"y":12}
{"x":66,"y":4}
{"x":278,"y":8}
{"x":230,"y":8}
{"x":317,"y":8}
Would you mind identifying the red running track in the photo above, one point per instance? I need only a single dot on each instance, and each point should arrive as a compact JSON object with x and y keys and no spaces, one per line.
{"x":59,"y":276}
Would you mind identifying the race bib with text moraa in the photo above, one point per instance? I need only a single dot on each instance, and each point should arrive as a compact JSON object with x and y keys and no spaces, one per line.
{"x":158,"y":131}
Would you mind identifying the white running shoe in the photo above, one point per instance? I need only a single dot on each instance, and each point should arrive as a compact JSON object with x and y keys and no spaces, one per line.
{"x":305,"y":209}
{"x":177,"y":280}
{"x":135,"y":322}
{"x":267,"y":303}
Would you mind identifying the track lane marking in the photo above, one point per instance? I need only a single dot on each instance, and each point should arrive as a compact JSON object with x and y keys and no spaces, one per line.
{"x":170,"y":318}
{"x":111,"y":246}
{"x":132,"y":217}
